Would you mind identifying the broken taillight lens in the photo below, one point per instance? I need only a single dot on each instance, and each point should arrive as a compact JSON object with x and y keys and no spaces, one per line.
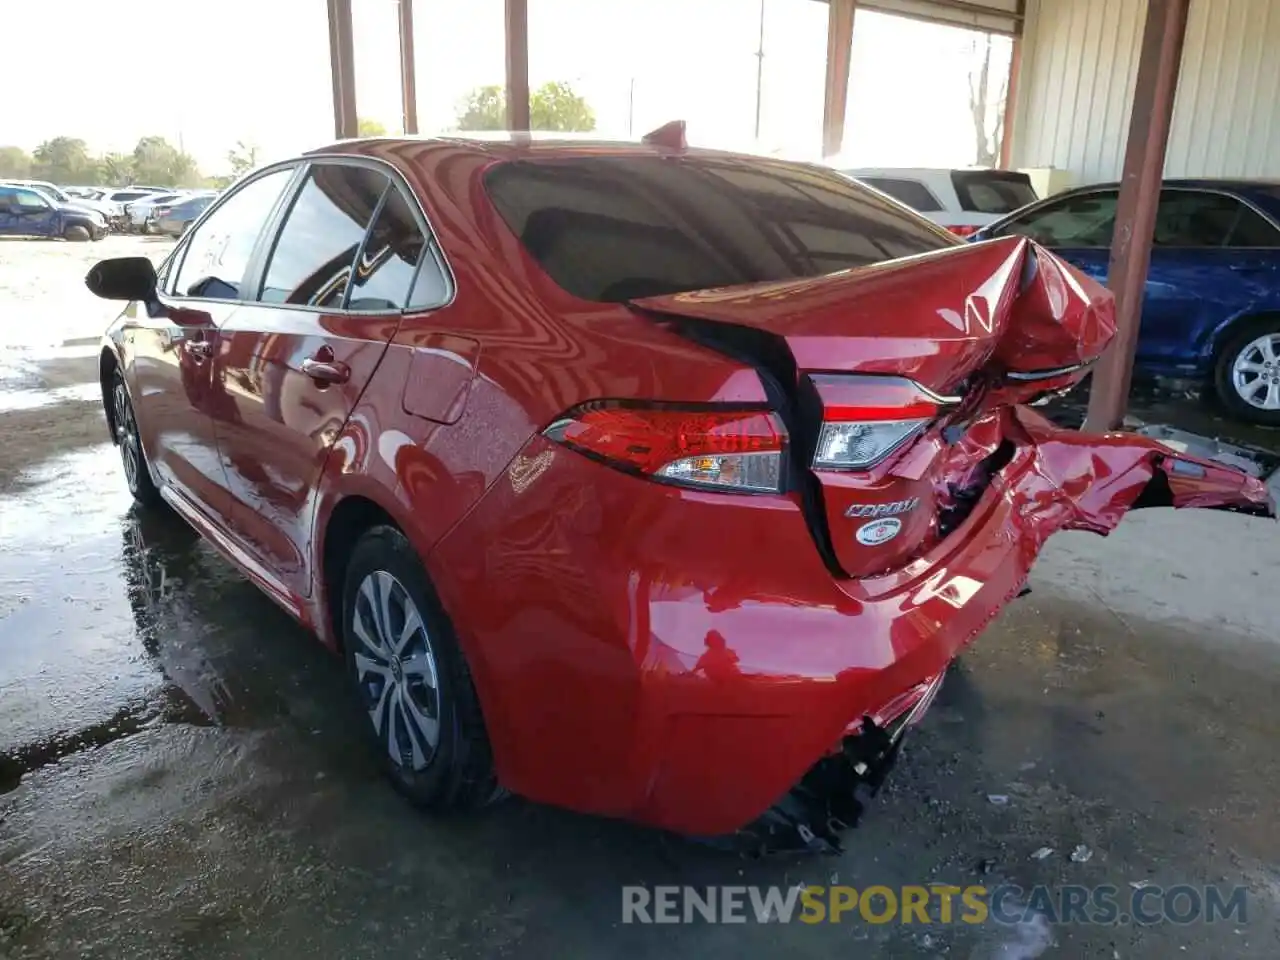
{"x":710,"y":448}
{"x":866,"y":418}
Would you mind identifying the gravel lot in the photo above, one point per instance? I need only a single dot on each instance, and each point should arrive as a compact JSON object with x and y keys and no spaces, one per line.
{"x":180,"y":777}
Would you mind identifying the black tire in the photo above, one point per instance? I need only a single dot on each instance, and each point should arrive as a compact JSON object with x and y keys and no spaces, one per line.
{"x":186,"y":225}
{"x":77,"y":234}
{"x":455,"y":773}
{"x":137,"y":473}
{"x":1237,"y":343}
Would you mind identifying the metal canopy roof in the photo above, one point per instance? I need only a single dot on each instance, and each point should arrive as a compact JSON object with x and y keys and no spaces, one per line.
{"x":996,"y":16}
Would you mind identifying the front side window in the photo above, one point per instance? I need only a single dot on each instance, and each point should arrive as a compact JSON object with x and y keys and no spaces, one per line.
{"x":614,"y":228}
{"x":217,"y":256}
{"x":1081,"y":221}
{"x":313,"y":258}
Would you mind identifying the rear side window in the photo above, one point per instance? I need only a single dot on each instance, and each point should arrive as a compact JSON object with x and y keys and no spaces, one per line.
{"x":614,"y":228}
{"x":911,"y":192}
{"x":314,"y":254}
{"x":385,"y":272}
{"x":1188,"y":218}
{"x":992,"y":191}
{"x":217,"y":256}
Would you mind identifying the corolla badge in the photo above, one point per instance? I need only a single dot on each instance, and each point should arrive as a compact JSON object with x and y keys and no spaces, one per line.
{"x":872,"y":511}
{"x":878,"y":531}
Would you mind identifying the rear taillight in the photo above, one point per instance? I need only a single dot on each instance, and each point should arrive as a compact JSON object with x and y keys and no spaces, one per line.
{"x":710,"y":448}
{"x":963,"y":229}
{"x":866,"y":418}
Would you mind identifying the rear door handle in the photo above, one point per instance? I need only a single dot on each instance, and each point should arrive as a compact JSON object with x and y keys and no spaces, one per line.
{"x":323,"y":372}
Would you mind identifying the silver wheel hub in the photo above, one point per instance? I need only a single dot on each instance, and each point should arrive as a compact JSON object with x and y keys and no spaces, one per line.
{"x":396,"y":670}
{"x":1255,"y":374}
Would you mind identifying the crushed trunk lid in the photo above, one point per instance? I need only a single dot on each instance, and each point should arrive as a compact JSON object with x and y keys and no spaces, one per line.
{"x":891,"y":378}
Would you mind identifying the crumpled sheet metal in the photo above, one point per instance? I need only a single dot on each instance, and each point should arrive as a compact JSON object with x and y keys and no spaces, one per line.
{"x":1065,"y":479}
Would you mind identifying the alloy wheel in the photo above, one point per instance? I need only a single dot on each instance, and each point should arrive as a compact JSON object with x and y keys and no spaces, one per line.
{"x":1255,"y":374}
{"x":127,"y":436}
{"x":396,"y":670}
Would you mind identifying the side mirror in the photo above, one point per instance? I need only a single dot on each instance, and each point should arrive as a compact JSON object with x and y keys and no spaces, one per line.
{"x":122,"y":278}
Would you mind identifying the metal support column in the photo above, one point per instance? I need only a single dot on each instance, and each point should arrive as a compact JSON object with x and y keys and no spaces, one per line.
{"x":342,"y":69}
{"x":1011,"y":90}
{"x":517,"y":30}
{"x":836,"y":89}
{"x":408,"y":75}
{"x":1152,"y":112}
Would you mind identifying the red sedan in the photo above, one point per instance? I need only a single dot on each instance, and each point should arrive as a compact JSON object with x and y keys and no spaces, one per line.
{"x":652,"y":482}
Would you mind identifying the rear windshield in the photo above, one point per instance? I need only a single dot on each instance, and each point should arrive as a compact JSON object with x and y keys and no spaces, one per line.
{"x":911,"y":192}
{"x":993,"y":191}
{"x":613,"y":228}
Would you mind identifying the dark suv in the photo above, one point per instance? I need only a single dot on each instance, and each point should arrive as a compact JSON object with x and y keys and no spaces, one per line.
{"x":25,"y":212}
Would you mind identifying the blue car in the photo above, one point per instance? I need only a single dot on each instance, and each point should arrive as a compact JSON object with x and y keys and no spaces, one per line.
{"x":1212,"y":306}
{"x":25,"y":212}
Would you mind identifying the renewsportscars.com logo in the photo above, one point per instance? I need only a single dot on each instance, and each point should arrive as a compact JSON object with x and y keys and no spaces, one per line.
{"x":1140,"y":903}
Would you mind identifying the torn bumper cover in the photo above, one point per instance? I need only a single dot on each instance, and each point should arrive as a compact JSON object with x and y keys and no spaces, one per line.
{"x":1052,"y":479}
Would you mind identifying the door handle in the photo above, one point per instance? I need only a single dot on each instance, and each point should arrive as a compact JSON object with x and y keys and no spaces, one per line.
{"x":324,"y":373}
{"x":200,"y":349}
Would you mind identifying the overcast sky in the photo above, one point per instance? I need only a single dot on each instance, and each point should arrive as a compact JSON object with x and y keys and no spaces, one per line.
{"x":207,"y":74}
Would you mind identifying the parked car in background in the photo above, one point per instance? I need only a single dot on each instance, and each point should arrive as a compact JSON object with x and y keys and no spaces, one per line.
{"x":124,"y":195}
{"x":648,"y":481}
{"x":173,"y":220}
{"x":26,"y":212}
{"x":140,"y":211}
{"x":1212,"y":304}
{"x":59,"y":196}
{"x":960,"y":200}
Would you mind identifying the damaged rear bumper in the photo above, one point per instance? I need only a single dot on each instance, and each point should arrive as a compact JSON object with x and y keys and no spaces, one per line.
{"x":687,"y":660}
{"x":1054,"y":480}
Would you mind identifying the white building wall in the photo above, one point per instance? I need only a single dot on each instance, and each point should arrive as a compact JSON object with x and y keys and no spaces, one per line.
{"x":1079,"y":58}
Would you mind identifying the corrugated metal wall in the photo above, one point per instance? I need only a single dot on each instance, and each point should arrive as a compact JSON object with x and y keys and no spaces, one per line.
{"x":1078,"y":63}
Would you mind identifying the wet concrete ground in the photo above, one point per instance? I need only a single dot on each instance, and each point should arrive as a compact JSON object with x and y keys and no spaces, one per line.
{"x":179,"y":776}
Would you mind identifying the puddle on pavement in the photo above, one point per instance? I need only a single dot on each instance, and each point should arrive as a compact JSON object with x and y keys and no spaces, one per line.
{"x":114,"y":619}
{"x":31,"y":399}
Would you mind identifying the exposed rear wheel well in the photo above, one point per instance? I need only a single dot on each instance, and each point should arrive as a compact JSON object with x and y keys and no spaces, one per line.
{"x":107,"y":367}
{"x":350,"y":519}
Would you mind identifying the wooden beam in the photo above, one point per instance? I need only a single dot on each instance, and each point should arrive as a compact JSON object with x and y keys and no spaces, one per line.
{"x":836,"y":88}
{"x":342,"y":70}
{"x":408,"y":70}
{"x":517,"y":31}
{"x":1152,"y":113}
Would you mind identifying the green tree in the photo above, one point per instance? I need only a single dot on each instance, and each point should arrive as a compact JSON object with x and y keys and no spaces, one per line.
{"x":62,"y":160}
{"x":115,"y":169}
{"x":484,"y":108}
{"x":157,"y":161}
{"x":15,"y":162}
{"x":553,"y":106}
{"x":243,"y":157}
{"x":371,"y":128}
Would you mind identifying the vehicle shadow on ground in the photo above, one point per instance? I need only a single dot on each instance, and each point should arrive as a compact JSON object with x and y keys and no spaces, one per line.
{"x":1069,"y":764}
